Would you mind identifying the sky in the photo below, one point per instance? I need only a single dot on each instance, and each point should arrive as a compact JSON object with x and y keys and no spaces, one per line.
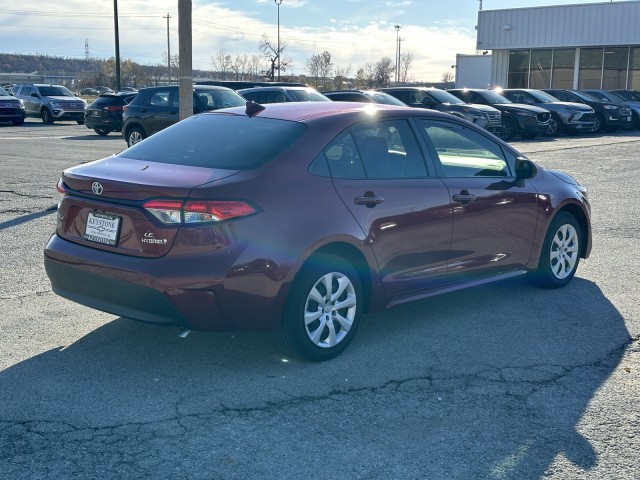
{"x":354,"y":32}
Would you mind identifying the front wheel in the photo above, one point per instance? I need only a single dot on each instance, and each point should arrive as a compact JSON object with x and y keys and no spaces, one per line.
{"x":101,"y":131}
{"x":560,"y":253}
{"x":555,"y":126}
{"x":598,"y":123}
{"x":322,"y":312}
{"x":46,"y":116}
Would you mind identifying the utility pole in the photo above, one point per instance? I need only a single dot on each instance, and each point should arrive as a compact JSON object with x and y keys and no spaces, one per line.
{"x":115,"y":21}
{"x":168,"y":47}
{"x":185,"y":47}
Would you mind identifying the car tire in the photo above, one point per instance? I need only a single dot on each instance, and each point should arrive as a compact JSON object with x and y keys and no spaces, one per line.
{"x":598,"y":124}
{"x":529,"y":135}
{"x":555,"y":126}
{"x":102,"y":131}
{"x":560,"y":253}
{"x":18,"y":121}
{"x":323,"y":309}
{"x":47,"y":116}
{"x":80,"y":122}
{"x":135,"y":135}
{"x":508,"y":129}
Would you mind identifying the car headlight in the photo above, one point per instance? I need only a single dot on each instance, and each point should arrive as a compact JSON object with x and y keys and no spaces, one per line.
{"x":54,"y":104}
{"x":526,"y":114}
{"x":21,"y":104}
{"x":611,"y":107}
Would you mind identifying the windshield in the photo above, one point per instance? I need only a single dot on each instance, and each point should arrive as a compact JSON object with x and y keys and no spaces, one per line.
{"x":629,"y":95}
{"x":443,"y":97}
{"x":543,"y":96}
{"x":212,"y":140}
{"x":54,"y":91}
{"x":585,"y":96}
{"x":493,"y":97}
{"x":307,"y":95}
{"x":3,"y":92}
{"x":604,"y":97}
{"x":381,"y":97}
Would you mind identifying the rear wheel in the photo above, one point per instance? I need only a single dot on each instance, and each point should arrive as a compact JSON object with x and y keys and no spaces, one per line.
{"x":323,"y":309}
{"x":101,"y":131}
{"x":135,"y":135}
{"x":46,"y":116}
{"x":560,"y":253}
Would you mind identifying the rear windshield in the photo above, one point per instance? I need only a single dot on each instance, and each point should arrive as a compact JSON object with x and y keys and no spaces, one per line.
{"x":232,"y":142}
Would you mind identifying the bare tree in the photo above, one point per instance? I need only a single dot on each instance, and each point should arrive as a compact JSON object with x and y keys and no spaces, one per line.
{"x":222,"y":63}
{"x":254,"y":66}
{"x":447,"y":77}
{"x":406,"y":60}
{"x":383,"y":70}
{"x":313,"y":68}
{"x":325,"y":67}
{"x":341,"y":77}
{"x":239,"y":66}
{"x":275,"y":58}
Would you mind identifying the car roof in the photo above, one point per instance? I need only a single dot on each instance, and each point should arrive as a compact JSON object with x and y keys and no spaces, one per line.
{"x":277,"y":88}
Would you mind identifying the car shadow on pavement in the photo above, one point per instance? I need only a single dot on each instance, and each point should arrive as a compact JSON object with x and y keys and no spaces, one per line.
{"x":484,"y":383}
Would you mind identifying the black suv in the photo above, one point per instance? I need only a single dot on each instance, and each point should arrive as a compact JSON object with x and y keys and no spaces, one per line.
{"x":11,"y":109}
{"x":104,"y":115}
{"x":568,"y":117}
{"x":517,"y":118}
{"x":156,"y":108}
{"x":610,"y":116}
{"x":484,"y":116}
{"x":363,"y":96}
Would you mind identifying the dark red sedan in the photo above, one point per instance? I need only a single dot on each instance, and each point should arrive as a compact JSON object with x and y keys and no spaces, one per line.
{"x":300,"y":217}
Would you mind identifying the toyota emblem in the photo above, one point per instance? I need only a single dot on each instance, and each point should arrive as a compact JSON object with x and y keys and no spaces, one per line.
{"x":96,"y":188}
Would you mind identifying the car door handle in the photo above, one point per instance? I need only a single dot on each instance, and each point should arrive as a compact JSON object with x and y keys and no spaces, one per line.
{"x":463,"y":197}
{"x":369,"y":199}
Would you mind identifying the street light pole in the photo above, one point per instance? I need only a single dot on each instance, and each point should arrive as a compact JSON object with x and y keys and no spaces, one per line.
{"x":115,"y":22}
{"x":397,"y":27}
{"x":278,"y":3}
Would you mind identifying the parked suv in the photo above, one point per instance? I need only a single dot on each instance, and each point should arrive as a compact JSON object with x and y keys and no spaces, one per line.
{"x":11,"y":108}
{"x":517,"y":118}
{"x":484,"y":116}
{"x":104,"y":115}
{"x":264,"y":95}
{"x":566,"y":117}
{"x":156,"y":108}
{"x":610,"y":116}
{"x":607,"y":96}
{"x":50,"y":102}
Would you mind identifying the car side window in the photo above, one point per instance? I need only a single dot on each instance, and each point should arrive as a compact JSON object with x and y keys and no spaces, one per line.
{"x":343,"y":159}
{"x":463,"y":152}
{"x":389,"y":150}
{"x":160,"y":98}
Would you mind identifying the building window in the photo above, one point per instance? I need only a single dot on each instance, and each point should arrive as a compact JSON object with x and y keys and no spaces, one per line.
{"x":518,"y":69}
{"x":540,"y":76}
{"x":590,"y":75}
{"x":614,"y":73}
{"x":564,"y":60}
{"x":634,"y":69}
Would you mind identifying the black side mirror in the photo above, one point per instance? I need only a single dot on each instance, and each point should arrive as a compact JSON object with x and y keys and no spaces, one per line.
{"x":34,"y":94}
{"x":525,"y":168}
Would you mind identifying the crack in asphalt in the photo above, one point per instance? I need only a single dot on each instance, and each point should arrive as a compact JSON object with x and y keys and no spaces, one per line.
{"x":26,"y":195}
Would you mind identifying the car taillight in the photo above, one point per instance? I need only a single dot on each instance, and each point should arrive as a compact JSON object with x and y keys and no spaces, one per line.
{"x":125,"y":108}
{"x":197,"y":211}
{"x":113,"y":108}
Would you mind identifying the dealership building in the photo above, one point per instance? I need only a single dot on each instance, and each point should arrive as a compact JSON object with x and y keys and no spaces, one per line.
{"x":595,"y":45}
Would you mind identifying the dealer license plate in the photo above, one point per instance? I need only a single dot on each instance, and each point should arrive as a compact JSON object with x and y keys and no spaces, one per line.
{"x":94,"y":113}
{"x":102,"y":228}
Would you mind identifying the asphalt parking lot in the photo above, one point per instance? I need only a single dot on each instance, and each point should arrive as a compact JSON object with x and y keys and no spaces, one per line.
{"x":505,"y":381}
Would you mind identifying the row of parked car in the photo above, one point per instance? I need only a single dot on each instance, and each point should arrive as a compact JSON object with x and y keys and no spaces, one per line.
{"x":504,"y":112}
